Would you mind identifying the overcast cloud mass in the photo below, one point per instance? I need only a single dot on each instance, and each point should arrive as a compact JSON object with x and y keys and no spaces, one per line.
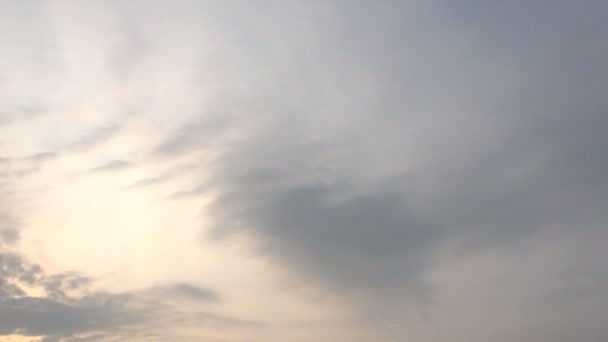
{"x":303,"y":170}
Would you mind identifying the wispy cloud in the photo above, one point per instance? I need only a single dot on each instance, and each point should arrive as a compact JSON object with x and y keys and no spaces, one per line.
{"x":69,"y":307}
{"x":114,"y":165}
{"x":96,"y":137}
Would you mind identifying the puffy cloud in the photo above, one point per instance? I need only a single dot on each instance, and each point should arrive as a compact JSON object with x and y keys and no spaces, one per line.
{"x":69,"y":307}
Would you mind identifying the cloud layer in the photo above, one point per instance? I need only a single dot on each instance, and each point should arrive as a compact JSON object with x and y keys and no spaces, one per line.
{"x":413,"y":170}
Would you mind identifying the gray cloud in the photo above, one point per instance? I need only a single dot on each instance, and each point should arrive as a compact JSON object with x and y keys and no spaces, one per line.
{"x":59,"y":314}
{"x":366,"y":146}
{"x":195,"y":292}
{"x":42,"y":316}
{"x":9,"y":225}
{"x":9,"y":235}
{"x":198,"y":190}
{"x":70,"y":308}
{"x":461,"y":146}
{"x":194,"y":135}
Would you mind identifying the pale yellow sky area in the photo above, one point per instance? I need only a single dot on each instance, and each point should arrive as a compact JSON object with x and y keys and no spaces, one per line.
{"x":129,"y":239}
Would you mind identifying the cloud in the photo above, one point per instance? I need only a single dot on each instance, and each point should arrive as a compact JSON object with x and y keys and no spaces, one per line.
{"x":42,"y":156}
{"x":98,"y":136}
{"x":194,"y":135}
{"x":364,"y":188}
{"x":9,"y":225}
{"x":114,"y":165}
{"x":21,"y":166}
{"x":8,"y":235}
{"x":59,"y":313}
{"x":20,"y":114}
{"x":144,"y":182}
{"x":195,"y":292}
{"x":198,"y":190}
{"x":42,"y":316}
{"x":438,"y":168}
{"x":70,"y":307}
{"x":168,"y":175}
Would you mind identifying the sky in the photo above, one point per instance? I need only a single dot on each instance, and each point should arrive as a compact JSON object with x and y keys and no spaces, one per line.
{"x":319,"y":170}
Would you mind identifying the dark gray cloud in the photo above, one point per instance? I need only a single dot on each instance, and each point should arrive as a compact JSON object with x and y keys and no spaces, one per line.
{"x":42,"y":316}
{"x":70,"y":308}
{"x":373,"y":240}
{"x":477,"y":132}
{"x":60,"y":313}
